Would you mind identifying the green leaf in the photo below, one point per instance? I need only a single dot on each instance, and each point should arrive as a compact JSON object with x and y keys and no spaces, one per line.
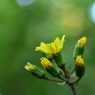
{"x":61,"y":83}
{"x":76,"y":84}
{"x":73,"y":75}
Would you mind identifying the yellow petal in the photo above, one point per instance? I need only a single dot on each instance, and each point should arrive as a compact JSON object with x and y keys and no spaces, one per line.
{"x":82,"y":41}
{"x":29,"y":66}
{"x":53,"y":48}
{"x":57,"y":43}
{"x":79,"y":60}
{"x":43,"y":47}
{"x":62,"y":41}
{"x":63,"y":38}
{"x":45,"y":62}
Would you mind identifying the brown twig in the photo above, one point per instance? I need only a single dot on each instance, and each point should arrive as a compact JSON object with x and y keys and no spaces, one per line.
{"x":50,"y":79}
{"x":73,"y":90}
{"x":72,"y":70}
{"x":62,"y":78}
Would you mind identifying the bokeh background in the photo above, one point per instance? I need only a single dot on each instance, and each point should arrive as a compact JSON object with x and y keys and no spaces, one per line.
{"x":26,"y":23}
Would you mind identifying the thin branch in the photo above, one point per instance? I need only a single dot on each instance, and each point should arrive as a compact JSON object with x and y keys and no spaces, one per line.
{"x":62,"y":72}
{"x":50,"y":79}
{"x":72,"y":70}
{"x":73,"y":90}
{"x":65,"y":72}
{"x":76,"y":81}
{"x":62,"y":78}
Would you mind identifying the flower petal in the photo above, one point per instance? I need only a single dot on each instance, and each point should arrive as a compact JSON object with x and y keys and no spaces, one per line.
{"x":62,"y":41}
{"x":43,"y":47}
{"x":53,"y":47}
{"x":57,"y":43}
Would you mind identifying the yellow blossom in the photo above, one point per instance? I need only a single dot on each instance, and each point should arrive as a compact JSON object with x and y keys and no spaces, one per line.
{"x":53,"y":48}
{"x":29,"y":66}
{"x":79,"y":61}
{"x":82,"y":41}
{"x":45,"y":62}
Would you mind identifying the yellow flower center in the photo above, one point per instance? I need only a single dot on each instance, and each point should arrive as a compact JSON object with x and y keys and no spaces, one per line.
{"x":29,"y":66}
{"x":79,"y":61}
{"x":82,"y":41}
{"x":45,"y":62}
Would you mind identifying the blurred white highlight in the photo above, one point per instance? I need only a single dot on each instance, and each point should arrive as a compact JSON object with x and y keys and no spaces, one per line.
{"x":92,"y":12}
{"x":24,"y":2}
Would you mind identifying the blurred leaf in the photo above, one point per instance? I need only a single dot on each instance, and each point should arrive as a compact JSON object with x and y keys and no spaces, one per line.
{"x":61,"y":84}
{"x":73,"y":75}
{"x":76,"y":84}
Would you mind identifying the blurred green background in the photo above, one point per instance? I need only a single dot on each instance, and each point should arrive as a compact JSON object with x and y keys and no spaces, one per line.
{"x":26,"y":23}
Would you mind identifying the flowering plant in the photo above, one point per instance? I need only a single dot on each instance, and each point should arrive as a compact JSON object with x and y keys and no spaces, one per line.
{"x":54,"y":63}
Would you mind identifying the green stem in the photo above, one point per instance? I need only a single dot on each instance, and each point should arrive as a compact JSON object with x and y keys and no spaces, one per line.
{"x":62,"y":78}
{"x":65,"y":72}
{"x":76,"y":81}
{"x":72,"y":70}
{"x":62,"y":72}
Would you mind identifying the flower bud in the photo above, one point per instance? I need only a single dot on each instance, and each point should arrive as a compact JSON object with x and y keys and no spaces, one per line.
{"x":79,"y":48}
{"x":35,"y":70}
{"x":50,"y":67}
{"x":59,"y":60}
{"x":79,"y":66}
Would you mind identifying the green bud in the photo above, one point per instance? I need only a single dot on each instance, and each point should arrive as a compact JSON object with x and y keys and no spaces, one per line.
{"x":59,"y":60}
{"x":79,"y":66}
{"x":78,"y":50}
{"x":38,"y":72}
{"x":80,"y":71}
{"x":50,"y":67}
{"x":53,"y":70}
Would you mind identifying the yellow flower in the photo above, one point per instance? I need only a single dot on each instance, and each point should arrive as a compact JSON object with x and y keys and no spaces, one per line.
{"x":29,"y":66}
{"x":82,"y":41}
{"x":79,"y":61}
{"x":53,"y":48}
{"x":45,"y":62}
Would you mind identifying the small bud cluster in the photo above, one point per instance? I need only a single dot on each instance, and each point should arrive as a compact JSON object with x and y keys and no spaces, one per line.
{"x":78,"y":55}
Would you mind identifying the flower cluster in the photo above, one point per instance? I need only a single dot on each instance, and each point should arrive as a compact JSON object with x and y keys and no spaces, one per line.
{"x":54,"y":63}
